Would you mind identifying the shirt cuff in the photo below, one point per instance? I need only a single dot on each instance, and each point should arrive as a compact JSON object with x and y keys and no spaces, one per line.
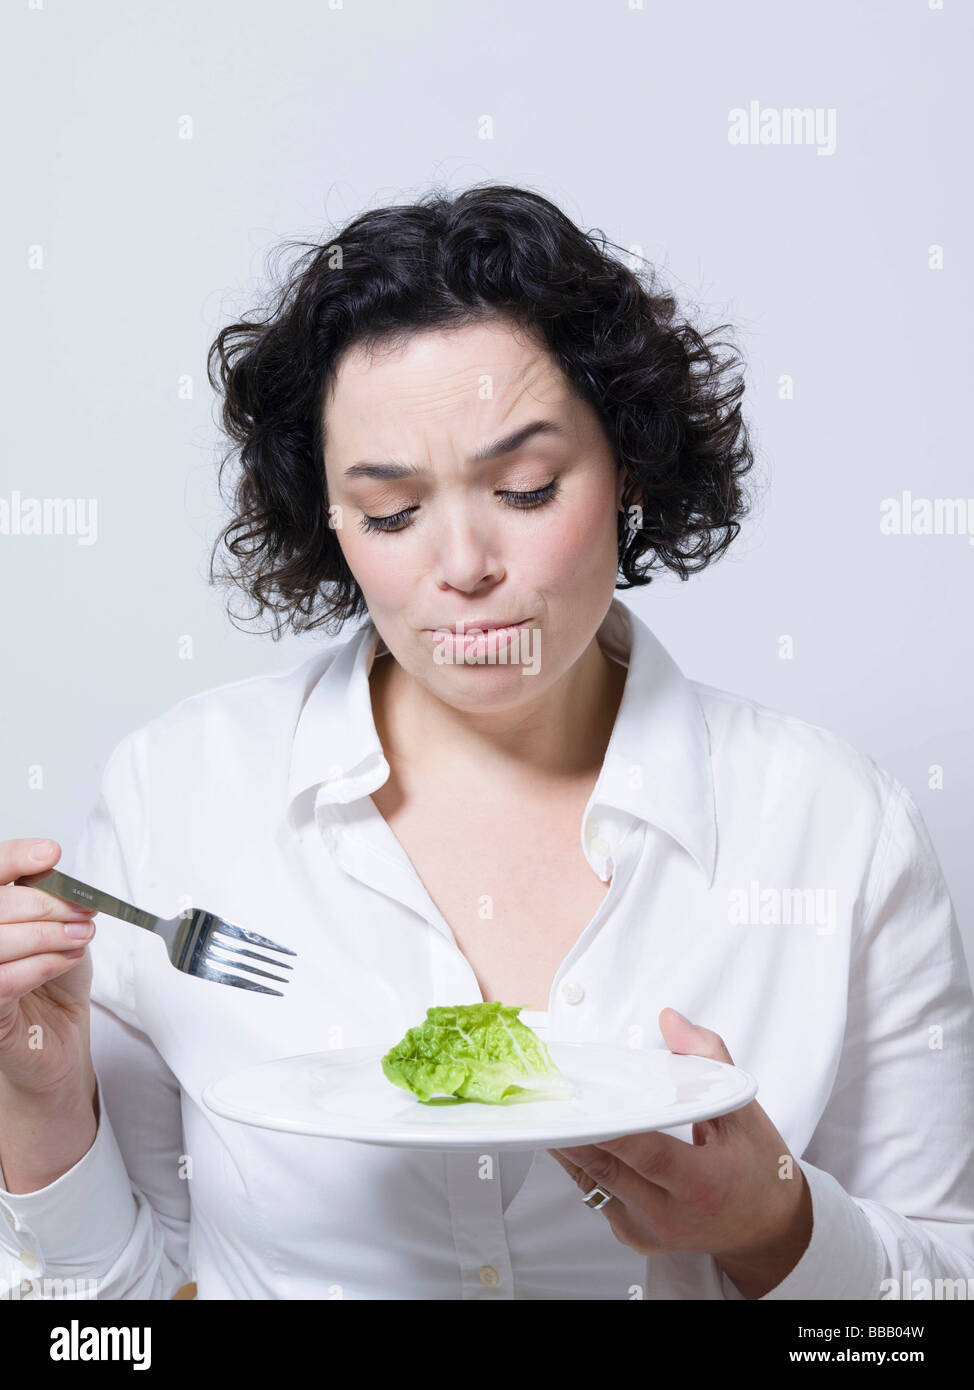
{"x":78,"y":1223}
{"x":845,"y":1257}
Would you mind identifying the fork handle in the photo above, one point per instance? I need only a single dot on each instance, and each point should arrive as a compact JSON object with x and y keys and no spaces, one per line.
{"x":74,"y":891}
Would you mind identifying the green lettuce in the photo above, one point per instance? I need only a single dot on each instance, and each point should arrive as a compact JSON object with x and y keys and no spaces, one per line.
{"x":479,"y":1052}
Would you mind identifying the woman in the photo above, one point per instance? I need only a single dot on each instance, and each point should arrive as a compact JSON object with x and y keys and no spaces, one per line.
{"x":466,"y":421}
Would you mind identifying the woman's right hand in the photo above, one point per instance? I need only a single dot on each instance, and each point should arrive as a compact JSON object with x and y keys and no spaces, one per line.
{"x":45,"y":975}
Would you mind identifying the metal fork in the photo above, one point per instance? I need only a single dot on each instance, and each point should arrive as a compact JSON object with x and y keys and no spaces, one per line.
{"x":191,"y":939}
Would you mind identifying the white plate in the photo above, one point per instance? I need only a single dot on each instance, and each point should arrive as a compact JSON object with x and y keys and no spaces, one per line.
{"x":344,"y":1094}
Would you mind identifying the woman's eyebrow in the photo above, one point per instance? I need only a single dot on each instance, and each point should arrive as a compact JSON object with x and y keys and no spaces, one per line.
{"x":497,"y":449}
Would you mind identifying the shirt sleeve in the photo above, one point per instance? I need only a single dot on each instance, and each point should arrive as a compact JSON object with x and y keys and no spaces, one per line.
{"x":117,"y":1223}
{"x":890,"y":1165}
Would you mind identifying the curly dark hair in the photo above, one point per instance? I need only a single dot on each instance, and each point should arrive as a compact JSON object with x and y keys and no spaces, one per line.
{"x":669,"y":403}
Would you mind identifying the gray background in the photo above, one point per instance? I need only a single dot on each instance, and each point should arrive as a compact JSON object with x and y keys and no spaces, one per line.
{"x":304,"y":115}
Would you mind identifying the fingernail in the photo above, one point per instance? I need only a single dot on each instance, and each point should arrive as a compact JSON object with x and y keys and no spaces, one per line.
{"x":42,"y":850}
{"x":78,"y":931}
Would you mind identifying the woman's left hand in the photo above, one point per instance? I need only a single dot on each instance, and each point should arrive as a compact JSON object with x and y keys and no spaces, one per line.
{"x":736,"y":1192}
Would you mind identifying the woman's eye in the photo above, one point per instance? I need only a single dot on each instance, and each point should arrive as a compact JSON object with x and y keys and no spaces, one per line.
{"x":399,"y":520}
{"x":534,"y":498}
{"x":396,"y":522}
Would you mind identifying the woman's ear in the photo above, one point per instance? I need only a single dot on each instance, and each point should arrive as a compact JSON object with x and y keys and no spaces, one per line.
{"x":621,"y":482}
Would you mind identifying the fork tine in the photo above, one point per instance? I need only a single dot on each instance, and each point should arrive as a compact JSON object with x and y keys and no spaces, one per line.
{"x":206,"y":972}
{"x":252,"y":939}
{"x":211,"y":957}
{"x":253,"y":955}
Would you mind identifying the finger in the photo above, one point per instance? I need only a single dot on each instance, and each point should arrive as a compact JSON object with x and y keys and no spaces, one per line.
{"x":20,"y":940}
{"x":17,"y":857}
{"x":20,"y":977}
{"x":582,"y":1179}
{"x":684,"y":1038}
{"x":22,"y":903}
{"x":669,"y":1163}
{"x":594,"y":1164}
{"x":689,"y":1039}
{"x":638,"y":1211}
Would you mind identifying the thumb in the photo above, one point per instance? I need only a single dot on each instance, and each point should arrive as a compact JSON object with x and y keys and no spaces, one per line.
{"x":682,"y":1036}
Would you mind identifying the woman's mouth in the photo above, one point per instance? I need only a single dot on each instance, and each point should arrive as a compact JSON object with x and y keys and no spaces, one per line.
{"x":470,"y":641}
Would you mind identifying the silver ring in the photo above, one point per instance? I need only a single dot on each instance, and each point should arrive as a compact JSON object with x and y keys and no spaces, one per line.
{"x":596,"y":1192}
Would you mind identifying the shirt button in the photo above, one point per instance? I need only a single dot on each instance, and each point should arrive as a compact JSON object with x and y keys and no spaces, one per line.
{"x":571,"y":992}
{"x":601,"y":846}
{"x":489,"y":1276}
{"x":26,"y":1258}
{"x":8,"y":1218}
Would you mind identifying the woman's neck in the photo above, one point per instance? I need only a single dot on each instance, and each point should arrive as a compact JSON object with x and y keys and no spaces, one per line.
{"x":558,"y":737}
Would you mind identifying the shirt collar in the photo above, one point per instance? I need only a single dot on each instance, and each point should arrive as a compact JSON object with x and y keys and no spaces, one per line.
{"x":657,"y":764}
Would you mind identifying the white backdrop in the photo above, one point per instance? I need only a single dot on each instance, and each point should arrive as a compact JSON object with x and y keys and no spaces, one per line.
{"x":156,"y":153}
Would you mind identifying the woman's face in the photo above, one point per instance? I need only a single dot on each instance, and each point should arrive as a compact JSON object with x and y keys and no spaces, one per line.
{"x":450,"y":543}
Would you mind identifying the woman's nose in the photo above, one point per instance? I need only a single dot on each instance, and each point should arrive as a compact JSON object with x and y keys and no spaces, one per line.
{"x":464,"y":557}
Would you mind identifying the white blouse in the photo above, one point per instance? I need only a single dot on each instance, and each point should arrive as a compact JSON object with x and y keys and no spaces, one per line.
{"x":767,"y":880}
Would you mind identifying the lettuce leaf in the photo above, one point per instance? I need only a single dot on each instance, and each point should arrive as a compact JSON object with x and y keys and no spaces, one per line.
{"x":480,"y":1052}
